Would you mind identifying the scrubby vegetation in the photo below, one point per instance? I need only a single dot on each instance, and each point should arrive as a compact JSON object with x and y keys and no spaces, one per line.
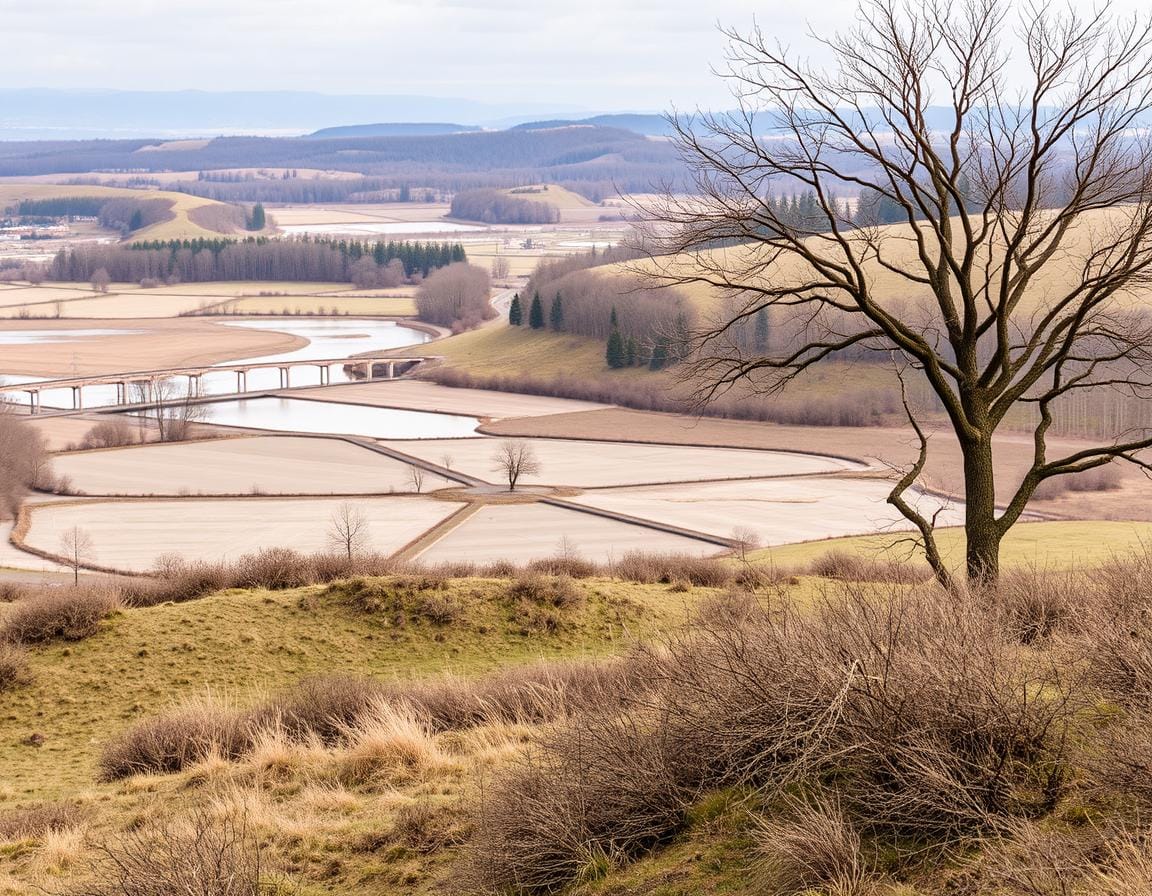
{"x":455,"y":296}
{"x":24,"y":462}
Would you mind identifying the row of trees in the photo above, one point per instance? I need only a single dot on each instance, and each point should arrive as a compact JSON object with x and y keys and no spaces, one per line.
{"x":536,"y":313}
{"x":259,"y":258}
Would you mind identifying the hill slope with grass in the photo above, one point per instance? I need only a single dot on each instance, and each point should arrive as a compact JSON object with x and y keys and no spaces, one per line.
{"x":192,"y":217}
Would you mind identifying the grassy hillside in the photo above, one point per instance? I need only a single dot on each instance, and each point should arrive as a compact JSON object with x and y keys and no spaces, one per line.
{"x":1054,"y":545}
{"x":185,"y":207}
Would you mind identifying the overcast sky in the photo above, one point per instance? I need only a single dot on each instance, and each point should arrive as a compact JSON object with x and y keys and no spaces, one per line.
{"x":593,"y":54}
{"x":596,"y":54}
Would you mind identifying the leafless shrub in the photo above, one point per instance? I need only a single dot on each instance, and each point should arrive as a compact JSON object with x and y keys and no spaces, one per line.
{"x":455,"y":296}
{"x":563,"y":564}
{"x":13,"y":667}
{"x":915,"y":710}
{"x":175,"y":739}
{"x":35,"y":821}
{"x":116,"y":432}
{"x":813,"y":847}
{"x":425,"y":828}
{"x":595,"y":793}
{"x":69,"y":614}
{"x":555,"y":591}
{"x":1099,"y":479}
{"x":840,"y":564}
{"x":323,"y":706}
{"x":201,"y":853}
{"x":24,"y":461}
{"x":11,"y":591}
{"x":636,"y":566}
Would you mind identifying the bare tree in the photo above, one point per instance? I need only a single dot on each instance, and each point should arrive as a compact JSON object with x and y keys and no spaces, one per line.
{"x":100,"y":280}
{"x":348,"y":529}
{"x":173,"y":410}
{"x":77,"y":548}
{"x":500,"y":267}
{"x":24,"y":461}
{"x":514,"y":459}
{"x":416,"y":474}
{"x":1022,"y":223}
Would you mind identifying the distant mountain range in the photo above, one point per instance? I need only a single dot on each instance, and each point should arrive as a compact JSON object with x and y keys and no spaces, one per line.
{"x":395,"y":129}
{"x":647,"y":125}
{"x":42,"y":114}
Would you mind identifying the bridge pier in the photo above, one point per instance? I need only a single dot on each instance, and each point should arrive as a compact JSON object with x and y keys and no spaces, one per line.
{"x":325,"y":374}
{"x":77,"y":398}
{"x":33,"y":401}
{"x":390,"y":370}
{"x":285,"y":377}
{"x":241,"y":380}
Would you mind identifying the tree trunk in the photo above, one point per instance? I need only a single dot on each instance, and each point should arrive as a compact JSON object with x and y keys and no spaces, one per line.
{"x":982,"y":559}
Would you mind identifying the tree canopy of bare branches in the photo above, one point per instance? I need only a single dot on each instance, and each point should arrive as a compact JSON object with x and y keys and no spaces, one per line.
{"x":515,"y":459}
{"x":1007,"y":143}
{"x":348,"y":529}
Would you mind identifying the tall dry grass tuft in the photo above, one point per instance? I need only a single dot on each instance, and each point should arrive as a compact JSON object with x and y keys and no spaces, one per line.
{"x":391,"y":741}
{"x":813,"y":847}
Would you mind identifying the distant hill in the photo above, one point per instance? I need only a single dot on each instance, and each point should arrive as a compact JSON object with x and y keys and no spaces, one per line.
{"x":395,"y":129}
{"x":646,"y":125}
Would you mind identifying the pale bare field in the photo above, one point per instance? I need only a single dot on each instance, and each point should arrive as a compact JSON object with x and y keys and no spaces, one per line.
{"x":129,"y":535}
{"x":148,"y":345}
{"x":891,"y":445}
{"x":129,"y":306}
{"x":358,"y":213}
{"x":599,"y":464}
{"x":40,"y":295}
{"x":11,"y":557}
{"x":61,"y":431}
{"x":778,"y":511}
{"x":522,"y":532}
{"x":230,"y":289}
{"x":273,"y":466}
{"x":350,"y":304}
{"x":421,"y":396}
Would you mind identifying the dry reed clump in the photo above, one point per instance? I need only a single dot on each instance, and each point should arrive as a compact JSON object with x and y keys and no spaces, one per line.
{"x":912,"y":709}
{"x":425,"y":828}
{"x":13,"y":667}
{"x":33,"y":822}
{"x":201,"y":853}
{"x":67,"y":614}
{"x":329,"y":709}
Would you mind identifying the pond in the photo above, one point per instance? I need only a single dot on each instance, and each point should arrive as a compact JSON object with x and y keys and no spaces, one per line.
{"x":303,"y":415}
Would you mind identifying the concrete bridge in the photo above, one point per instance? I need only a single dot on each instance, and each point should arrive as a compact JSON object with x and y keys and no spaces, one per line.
{"x":147,"y":382}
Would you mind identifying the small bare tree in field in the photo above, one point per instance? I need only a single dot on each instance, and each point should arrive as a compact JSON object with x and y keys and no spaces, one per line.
{"x":76,"y":545}
{"x":174,"y":410}
{"x":416,"y":474}
{"x":1003,"y":229}
{"x":348,"y":529}
{"x":515,"y":459}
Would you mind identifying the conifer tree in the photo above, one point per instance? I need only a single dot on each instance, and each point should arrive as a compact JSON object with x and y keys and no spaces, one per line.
{"x":258,"y":219}
{"x":556,"y":314}
{"x":536,"y":313}
{"x":762,"y":331}
{"x":630,"y":352}
{"x":516,"y":312}
{"x":614,"y":353}
{"x":659,"y":354}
